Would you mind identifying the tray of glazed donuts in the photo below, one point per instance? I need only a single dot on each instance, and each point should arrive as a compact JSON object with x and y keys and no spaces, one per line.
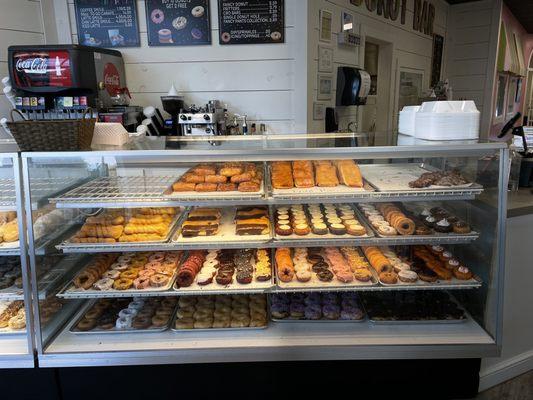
{"x":319,"y":221}
{"x":419,"y":266}
{"x":316,"y":178}
{"x":222,"y":312}
{"x":211,"y":181}
{"x":137,"y":225}
{"x":417,"y":307}
{"x":316,"y":307}
{"x":322,"y":268}
{"x":12,"y":317}
{"x":224,"y":270}
{"x":229,"y":224}
{"x":132,"y":273}
{"x":126,"y":315}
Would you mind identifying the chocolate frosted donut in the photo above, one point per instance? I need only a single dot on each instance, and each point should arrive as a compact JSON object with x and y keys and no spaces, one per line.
{"x":325,"y":275}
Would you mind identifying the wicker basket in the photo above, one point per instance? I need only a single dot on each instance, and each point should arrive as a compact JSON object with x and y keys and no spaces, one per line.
{"x":53,"y":135}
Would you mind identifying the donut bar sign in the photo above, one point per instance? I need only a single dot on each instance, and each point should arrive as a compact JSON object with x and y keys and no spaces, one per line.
{"x":254,"y":21}
{"x":178,"y":22}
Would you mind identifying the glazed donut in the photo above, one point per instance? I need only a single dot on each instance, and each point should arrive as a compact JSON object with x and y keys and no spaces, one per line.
{"x":146,"y":273}
{"x":203,"y":324}
{"x":86,"y":324}
{"x":186,"y":301}
{"x":93,"y":313}
{"x":159,"y":320}
{"x":122,"y":284}
{"x":18,"y":321}
{"x":141,"y":322}
{"x":124,"y":259}
{"x":185,"y":312}
{"x":130,"y":274}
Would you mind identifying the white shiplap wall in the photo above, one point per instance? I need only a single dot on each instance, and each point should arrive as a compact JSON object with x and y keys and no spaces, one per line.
{"x":472,"y":43}
{"x":20,"y":23}
{"x":410,"y":49}
{"x":257,"y":80}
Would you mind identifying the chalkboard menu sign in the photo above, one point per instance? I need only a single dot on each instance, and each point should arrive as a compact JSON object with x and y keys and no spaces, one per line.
{"x":253,"y":21}
{"x":178,"y":22}
{"x":107,"y":23}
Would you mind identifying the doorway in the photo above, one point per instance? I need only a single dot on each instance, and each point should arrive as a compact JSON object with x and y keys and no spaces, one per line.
{"x":376,"y":116}
{"x":528,"y":106}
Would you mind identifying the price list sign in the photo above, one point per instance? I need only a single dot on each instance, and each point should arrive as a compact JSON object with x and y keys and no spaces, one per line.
{"x":253,"y":21}
{"x":178,"y":22}
{"x":107,"y":23}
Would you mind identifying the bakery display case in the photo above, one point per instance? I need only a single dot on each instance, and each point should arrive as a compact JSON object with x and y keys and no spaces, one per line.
{"x":293,"y":247}
{"x":16,"y":335}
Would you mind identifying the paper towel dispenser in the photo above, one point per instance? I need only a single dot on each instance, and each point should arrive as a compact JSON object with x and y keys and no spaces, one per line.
{"x":353,"y":85}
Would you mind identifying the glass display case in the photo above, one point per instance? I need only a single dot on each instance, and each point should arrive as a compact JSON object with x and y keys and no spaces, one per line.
{"x":293,"y":247}
{"x":16,"y":339}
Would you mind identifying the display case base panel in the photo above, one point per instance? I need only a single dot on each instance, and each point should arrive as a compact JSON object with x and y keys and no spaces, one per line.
{"x":280,"y":342}
{"x":14,"y":352}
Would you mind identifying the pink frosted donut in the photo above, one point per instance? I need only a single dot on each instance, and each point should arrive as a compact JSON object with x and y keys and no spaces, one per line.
{"x":142,"y":282}
{"x":157,"y":16}
{"x":344,"y":276}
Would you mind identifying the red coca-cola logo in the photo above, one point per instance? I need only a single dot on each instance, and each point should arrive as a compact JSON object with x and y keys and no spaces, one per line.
{"x":36,"y":65}
{"x":111,"y":79}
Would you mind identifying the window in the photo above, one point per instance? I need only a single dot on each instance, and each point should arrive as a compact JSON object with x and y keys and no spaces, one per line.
{"x":500,"y":98}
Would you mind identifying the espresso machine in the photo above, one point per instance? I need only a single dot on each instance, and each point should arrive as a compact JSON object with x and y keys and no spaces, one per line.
{"x":207,"y":120}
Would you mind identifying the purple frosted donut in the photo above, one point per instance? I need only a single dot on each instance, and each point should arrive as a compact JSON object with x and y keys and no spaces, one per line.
{"x":331,"y":311}
{"x":298,"y":297}
{"x":313,"y":298}
{"x":350,"y":313}
{"x":313,"y":312}
{"x":297,"y":310}
{"x":279,"y":310}
{"x":281,"y":298}
{"x":348,"y":303}
{"x":349,"y":295}
{"x":330,"y":298}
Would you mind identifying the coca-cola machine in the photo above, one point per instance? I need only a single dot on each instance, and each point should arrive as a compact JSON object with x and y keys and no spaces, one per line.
{"x":53,"y":81}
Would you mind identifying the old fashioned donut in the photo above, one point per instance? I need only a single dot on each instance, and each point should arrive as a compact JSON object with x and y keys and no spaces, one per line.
{"x":84,"y":280}
{"x":86,"y":324}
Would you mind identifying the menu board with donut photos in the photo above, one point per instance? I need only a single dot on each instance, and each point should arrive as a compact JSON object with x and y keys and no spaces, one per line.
{"x":253,"y":21}
{"x":107,"y":23}
{"x":178,"y":22}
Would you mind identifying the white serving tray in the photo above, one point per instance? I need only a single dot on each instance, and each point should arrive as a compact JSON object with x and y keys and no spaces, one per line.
{"x":396,"y":177}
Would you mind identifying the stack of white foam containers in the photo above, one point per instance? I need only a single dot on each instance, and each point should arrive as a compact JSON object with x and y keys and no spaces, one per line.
{"x":442,"y":120}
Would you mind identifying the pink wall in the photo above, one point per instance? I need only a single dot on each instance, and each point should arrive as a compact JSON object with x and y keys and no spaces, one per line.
{"x":512,"y":25}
